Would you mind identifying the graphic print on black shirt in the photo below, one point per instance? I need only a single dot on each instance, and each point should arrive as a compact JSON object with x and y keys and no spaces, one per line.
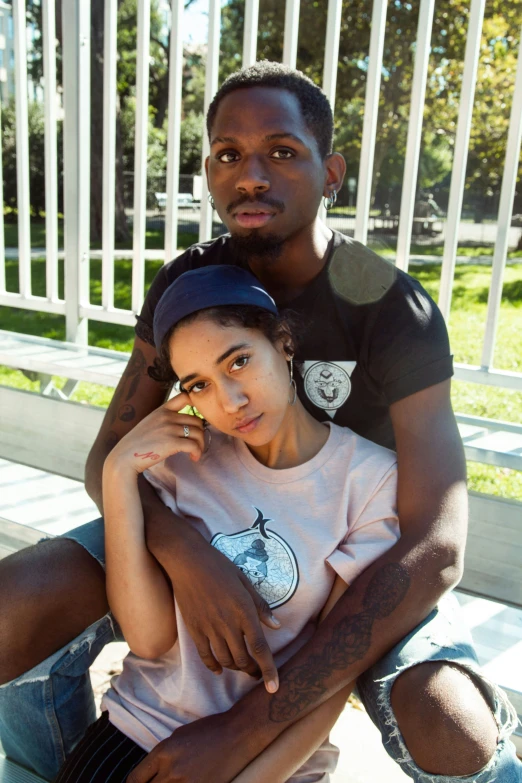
{"x":327,"y":384}
{"x":265,"y":559}
{"x":373,"y":335}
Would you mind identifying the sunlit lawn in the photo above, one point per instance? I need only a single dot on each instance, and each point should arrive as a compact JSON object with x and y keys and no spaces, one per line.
{"x":467,"y":324}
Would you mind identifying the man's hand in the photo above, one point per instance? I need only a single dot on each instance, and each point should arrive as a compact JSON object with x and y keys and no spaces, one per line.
{"x":222,"y":610}
{"x":202,"y":751}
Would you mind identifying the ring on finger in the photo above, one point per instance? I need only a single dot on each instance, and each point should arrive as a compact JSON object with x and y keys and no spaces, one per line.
{"x":186,"y":431}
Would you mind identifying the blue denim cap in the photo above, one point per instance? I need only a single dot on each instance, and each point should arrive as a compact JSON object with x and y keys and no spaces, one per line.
{"x":208,"y":286}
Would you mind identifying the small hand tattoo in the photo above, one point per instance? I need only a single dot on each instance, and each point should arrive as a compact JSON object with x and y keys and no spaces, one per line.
{"x":149,"y":455}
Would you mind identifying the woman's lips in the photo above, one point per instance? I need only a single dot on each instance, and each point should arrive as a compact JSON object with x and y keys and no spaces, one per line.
{"x":253,"y":219}
{"x":249,"y":425}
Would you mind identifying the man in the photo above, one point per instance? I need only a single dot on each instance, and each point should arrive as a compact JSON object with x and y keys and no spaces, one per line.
{"x":375,"y":357}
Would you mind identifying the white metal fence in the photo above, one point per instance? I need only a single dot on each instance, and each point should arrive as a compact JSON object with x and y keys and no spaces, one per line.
{"x":76,"y":69}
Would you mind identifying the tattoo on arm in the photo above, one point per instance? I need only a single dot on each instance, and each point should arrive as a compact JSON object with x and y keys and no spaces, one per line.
{"x":112,"y":440}
{"x":350,"y":641}
{"x":136,"y":367}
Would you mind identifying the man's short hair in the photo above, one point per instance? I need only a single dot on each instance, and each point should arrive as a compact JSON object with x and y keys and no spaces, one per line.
{"x":314,"y":104}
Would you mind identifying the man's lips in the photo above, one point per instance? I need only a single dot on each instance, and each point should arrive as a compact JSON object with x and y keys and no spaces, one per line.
{"x":247,"y":425}
{"x":248,"y":218}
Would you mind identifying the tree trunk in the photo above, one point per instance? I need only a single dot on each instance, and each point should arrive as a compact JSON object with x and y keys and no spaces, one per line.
{"x":121,"y":227}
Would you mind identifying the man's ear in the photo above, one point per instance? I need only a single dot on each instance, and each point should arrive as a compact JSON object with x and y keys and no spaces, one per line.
{"x":335,"y":166}
{"x":206,"y":169}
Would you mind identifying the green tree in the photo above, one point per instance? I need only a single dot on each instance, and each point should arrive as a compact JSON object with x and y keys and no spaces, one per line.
{"x":502,"y":25}
{"x":36,"y":157}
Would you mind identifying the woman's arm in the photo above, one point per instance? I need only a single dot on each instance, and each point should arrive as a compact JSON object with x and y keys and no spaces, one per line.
{"x":294,"y":746}
{"x":137,"y":590}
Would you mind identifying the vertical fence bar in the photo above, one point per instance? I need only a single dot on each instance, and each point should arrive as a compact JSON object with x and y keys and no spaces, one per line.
{"x":211,"y":84}
{"x":291,"y":32}
{"x":411,"y":166}
{"x":331,"y":54}
{"x":51,"y":149}
{"x":250,"y":32}
{"x":507,"y":194}
{"x":110,"y":53}
{"x":2,"y":232}
{"x":174,"y":130}
{"x":371,"y":111}
{"x":140,"y":154}
{"x":76,"y":187}
{"x":460,"y":156}
{"x":331,"y":57}
{"x":22,"y":148}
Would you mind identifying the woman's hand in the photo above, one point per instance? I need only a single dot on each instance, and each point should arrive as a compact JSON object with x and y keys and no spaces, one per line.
{"x":162,"y":433}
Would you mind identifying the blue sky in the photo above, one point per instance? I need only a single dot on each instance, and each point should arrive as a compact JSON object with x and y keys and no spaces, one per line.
{"x":195,"y":22}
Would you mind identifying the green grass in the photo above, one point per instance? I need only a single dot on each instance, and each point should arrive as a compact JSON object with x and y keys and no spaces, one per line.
{"x":467,"y":325}
{"x":154,"y":239}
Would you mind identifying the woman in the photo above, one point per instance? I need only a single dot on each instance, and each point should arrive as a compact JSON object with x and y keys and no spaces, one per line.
{"x":300,"y":506}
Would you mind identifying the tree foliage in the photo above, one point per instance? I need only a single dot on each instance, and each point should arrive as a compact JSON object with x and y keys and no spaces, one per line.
{"x":494,"y":86}
{"x":492,"y":106}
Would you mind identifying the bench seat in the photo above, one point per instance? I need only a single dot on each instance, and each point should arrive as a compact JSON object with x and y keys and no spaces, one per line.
{"x":485,"y":440}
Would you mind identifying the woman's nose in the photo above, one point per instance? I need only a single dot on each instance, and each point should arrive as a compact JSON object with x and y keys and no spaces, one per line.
{"x":233,"y":397}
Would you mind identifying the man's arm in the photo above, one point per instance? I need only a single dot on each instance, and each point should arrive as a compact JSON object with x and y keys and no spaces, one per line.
{"x":136,"y":396}
{"x":395,"y":593}
{"x":380,"y":608}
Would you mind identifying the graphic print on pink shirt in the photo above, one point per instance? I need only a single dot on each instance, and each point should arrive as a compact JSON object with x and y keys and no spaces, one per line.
{"x":265,"y":559}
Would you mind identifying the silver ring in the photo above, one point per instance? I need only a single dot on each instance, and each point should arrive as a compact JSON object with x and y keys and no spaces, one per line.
{"x":186,"y":431}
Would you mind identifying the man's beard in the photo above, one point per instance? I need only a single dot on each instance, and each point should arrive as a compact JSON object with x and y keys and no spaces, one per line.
{"x":267,"y":247}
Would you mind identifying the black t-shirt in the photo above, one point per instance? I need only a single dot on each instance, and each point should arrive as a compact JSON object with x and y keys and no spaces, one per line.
{"x":373,"y":335}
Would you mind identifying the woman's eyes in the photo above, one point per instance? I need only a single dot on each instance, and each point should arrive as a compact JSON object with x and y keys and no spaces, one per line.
{"x":237,"y":364}
{"x":240,"y":362}
{"x":279,"y":154}
{"x":197,"y":387}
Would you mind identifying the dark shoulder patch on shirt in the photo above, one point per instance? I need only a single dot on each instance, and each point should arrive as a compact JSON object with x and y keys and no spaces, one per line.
{"x":358,"y":275}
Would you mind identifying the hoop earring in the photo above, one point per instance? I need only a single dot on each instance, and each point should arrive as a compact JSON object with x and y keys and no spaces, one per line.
{"x":293,"y":386}
{"x":211,"y":201}
{"x":330,"y":200}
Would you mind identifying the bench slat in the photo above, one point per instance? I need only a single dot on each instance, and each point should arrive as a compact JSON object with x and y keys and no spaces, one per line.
{"x":53,"y":357}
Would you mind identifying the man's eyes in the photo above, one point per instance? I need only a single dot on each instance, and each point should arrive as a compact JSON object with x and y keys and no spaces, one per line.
{"x":232,"y":157}
{"x":223,"y":155}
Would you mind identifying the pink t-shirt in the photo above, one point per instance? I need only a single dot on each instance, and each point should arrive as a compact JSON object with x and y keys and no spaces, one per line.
{"x":290,"y":531}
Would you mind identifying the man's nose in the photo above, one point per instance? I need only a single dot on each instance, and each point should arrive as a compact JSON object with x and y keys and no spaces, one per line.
{"x":253,"y":176}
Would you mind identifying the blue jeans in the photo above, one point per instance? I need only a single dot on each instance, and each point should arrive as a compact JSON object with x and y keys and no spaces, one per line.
{"x":45,"y":712}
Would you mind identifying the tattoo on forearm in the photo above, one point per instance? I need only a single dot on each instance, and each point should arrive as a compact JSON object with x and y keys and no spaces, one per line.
{"x":304,"y":685}
{"x":112,"y":440}
{"x":127,"y":412}
{"x":136,"y":367}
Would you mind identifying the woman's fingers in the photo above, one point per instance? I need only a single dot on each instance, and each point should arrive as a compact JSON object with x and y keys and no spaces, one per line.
{"x":177,"y":403}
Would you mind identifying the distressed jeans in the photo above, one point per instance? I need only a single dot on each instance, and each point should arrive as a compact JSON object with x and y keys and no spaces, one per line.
{"x":45,"y":712}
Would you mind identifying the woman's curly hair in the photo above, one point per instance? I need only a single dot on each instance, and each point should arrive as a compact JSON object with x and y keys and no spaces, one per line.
{"x":282,"y":326}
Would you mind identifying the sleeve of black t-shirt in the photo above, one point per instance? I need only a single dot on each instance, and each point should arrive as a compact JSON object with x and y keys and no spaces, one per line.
{"x":166,"y":275}
{"x":409,"y":346}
